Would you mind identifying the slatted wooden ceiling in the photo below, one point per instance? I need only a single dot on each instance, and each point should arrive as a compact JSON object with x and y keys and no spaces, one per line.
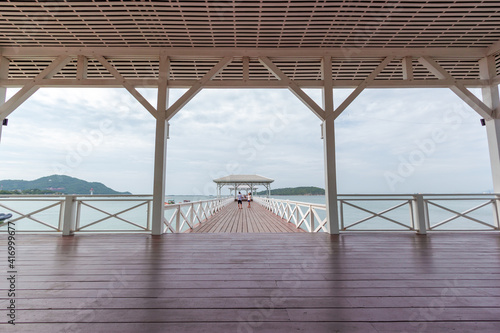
{"x":250,"y":23}
{"x":361,"y":29}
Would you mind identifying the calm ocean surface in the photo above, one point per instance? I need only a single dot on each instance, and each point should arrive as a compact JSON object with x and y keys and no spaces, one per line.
{"x":94,"y":215}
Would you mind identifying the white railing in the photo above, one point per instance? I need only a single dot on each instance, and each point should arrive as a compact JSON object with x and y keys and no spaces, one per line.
{"x":38,"y":213}
{"x":308,"y":216}
{"x":184,"y":216}
{"x":420,"y":213}
{"x":404,"y":212}
{"x":101,"y":213}
{"x":71,"y":213}
{"x":113,"y":214}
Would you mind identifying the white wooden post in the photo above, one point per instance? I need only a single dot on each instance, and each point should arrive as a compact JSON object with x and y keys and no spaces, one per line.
{"x":160,"y":163}
{"x":4,"y":74}
{"x":159,"y":176}
{"x":491,"y":98}
{"x":328,"y":127}
{"x":69,"y":218}
{"x":297,"y":218}
{"x":178,"y":219}
{"x":332,"y":214}
{"x":420,"y":215}
{"x":191,"y":216}
{"x":311,"y":218}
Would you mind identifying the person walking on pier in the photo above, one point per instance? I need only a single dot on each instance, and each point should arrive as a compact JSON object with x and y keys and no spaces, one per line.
{"x":240,"y":201}
{"x":249,"y":198}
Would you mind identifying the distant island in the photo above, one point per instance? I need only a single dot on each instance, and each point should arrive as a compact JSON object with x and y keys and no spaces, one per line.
{"x":309,"y":190}
{"x":55,"y":184}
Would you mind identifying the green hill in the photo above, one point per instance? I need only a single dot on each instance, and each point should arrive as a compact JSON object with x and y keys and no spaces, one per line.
{"x":57,"y":183}
{"x":309,"y":190}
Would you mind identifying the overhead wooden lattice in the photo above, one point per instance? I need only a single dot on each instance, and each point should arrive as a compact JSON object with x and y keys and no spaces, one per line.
{"x":276,"y":24}
{"x":295,"y":35}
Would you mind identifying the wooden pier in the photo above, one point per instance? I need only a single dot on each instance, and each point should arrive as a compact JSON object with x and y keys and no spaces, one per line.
{"x":267,"y":282}
{"x":256,"y":219}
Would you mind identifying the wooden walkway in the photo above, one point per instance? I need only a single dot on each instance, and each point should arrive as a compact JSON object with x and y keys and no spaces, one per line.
{"x":367,"y":283}
{"x":246,"y":220}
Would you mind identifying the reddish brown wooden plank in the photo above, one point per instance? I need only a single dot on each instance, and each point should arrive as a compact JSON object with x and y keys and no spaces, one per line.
{"x":245,"y":220}
{"x":442,"y":282}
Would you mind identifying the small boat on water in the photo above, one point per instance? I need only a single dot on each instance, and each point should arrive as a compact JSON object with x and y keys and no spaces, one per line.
{"x":170,"y":202}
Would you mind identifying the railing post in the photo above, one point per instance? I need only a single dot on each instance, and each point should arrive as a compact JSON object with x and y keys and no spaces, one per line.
{"x":178,"y":219}
{"x":297,"y":219}
{"x":148,"y":223}
{"x":419,"y":213}
{"x":311,"y":220}
{"x":69,"y":219}
{"x":191,"y":216}
{"x":496,"y":210}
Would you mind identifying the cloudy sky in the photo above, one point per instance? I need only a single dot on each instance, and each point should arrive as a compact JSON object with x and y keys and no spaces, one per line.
{"x":388,"y":141}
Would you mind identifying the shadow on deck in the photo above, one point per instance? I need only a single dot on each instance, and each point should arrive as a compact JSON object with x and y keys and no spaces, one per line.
{"x":256,"y":219}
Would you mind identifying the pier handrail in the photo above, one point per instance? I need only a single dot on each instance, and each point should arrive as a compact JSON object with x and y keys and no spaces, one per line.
{"x":420,"y":213}
{"x":425,"y":212}
{"x":84,"y":213}
{"x":187,"y":215}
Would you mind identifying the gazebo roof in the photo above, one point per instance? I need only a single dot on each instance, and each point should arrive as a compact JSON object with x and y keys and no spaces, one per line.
{"x":246,"y":179}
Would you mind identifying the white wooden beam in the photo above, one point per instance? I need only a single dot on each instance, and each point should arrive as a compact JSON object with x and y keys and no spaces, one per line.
{"x":188,"y":95}
{"x":327,"y":77}
{"x":493,"y":49}
{"x":362,"y":86}
{"x":407,"y":63}
{"x":246,"y":68}
{"x":81,"y":67}
{"x":496,"y":80}
{"x":272,"y":84}
{"x":32,"y":86}
{"x":163,"y":76}
{"x":130,"y":88}
{"x":458,"y":88}
{"x":336,"y":52}
{"x":294,"y":88}
{"x":487,"y":71}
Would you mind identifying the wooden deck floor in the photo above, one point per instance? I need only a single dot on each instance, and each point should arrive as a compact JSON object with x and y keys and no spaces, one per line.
{"x":256,"y":219}
{"x":379,"y":282}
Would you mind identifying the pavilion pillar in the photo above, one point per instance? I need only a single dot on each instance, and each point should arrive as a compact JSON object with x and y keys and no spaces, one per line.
{"x":492,"y":100}
{"x":3,"y":92}
{"x":328,"y":128}
{"x":4,"y":74}
{"x":332,"y":215}
{"x":160,"y":164}
{"x":160,"y":161}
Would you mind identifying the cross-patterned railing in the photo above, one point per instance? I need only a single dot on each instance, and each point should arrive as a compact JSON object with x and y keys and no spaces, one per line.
{"x":37,"y":213}
{"x":405,"y":212}
{"x":183,"y":216}
{"x":308,"y":216}
{"x":105,"y":214}
{"x":125,"y":213}
{"x":420,"y":213}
